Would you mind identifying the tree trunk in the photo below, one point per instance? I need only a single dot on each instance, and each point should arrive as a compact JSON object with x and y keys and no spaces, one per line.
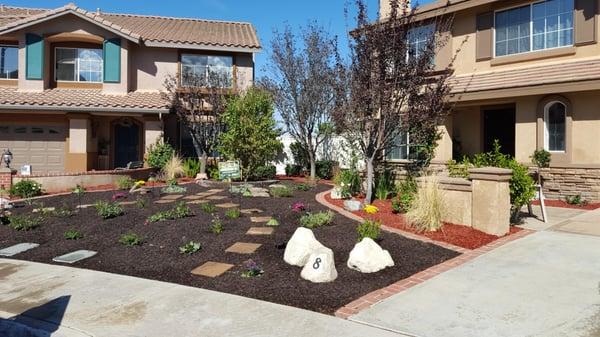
{"x":369,"y":193}
{"x":203,"y":162}
{"x":313,"y":166}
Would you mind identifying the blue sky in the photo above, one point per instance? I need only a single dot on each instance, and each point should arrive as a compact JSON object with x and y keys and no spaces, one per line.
{"x":264,"y":14}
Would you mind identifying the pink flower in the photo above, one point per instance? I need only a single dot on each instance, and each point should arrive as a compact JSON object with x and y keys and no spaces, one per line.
{"x":298,"y":207}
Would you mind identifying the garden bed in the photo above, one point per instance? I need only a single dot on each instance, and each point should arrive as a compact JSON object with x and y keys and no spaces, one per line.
{"x":159,"y":257}
{"x":564,"y":204}
{"x":458,"y":235}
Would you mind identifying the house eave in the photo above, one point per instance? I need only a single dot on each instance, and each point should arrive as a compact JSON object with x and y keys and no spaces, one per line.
{"x":201,"y":46}
{"x":157,"y":111}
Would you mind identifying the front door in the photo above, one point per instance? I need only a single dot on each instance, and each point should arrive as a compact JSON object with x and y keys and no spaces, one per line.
{"x":127,"y":143}
{"x":499,"y":124}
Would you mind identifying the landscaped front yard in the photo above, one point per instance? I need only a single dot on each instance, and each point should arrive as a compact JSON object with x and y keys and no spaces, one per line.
{"x":159,"y":256}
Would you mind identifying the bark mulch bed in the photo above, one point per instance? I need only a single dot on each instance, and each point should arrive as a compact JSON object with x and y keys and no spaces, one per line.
{"x":159,"y":257}
{"x":564,"y":204}
{"x":458,"y":235}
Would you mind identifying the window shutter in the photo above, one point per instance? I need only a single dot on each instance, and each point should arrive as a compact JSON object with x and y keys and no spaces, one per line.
{"x":585,"y":21}
{"x":112,"y":61}
{"x":484,"y":38}
{"x":34,"y":57}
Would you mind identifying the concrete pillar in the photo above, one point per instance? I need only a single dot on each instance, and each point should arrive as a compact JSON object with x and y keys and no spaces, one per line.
{"x":76,"y":159}
{"x":6,"y":178}
{"x":491,"y":200}
{"x":153,"y":131}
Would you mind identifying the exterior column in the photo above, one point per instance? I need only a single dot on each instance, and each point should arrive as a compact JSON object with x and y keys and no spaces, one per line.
{"x":76,"y":159}
{"x":153,"y":131}
{"x":491,"y":200}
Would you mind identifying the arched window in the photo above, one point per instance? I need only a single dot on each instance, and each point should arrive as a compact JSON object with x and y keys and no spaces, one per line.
{"x":555,"y":126}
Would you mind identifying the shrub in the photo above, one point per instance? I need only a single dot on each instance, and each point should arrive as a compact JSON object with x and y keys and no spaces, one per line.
{"x":272,"y":223}
{"x":124,"y":183}
{"x":208,"y":208}
{"x":216,"y":225}
{"x":282,"y":192}
{"x":131,"y":239}
{"x":304,"y":187}
{"x":73,"y":235}
{"x":265,"y":172}
{"x":191,"y":167}
{"x":369,"y":229}
{"x":456,"y":169}
{"x":213,"y":172}
{"x":173,"y":169}
{"x":180,"y":211}
{"x":173,"y":188}
{"x":575,"y":200}
{"x":190,"y":248}
{"x":324,"y":168}
{"x":541,"y":158}
{"x":349,"y":181}
{"x":384,"y":186}
{"x":26,"y":189}
{"x":315,"y":220}
{"x":63,"y":212}
{"x":428,"y":209}
{"x":159,"y":153}
{"x":301,"y":157}
{"x":293,"y":170}
{"x":79,"y":189}
{"x":23,"y":222}
{"x":402,"y":203}
{"x":108,"y":210}
{"x":233,"y":213}
{"x":252,"y":269}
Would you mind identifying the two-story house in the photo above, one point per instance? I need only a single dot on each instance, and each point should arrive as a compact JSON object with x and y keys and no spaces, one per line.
{"x":528,"y":75}
{"x":82,"y":90}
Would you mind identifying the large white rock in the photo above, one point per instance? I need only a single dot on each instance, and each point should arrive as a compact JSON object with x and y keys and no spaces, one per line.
{"x":320,"y":267}
{"x":336,"y":193}
{"x":368,"y":257}
{"x":5,"y":203}
{"x":301,"y":245}
{"x":352,"y":205}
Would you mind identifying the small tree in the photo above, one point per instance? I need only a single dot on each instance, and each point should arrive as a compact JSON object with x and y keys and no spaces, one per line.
{"x":303,"y":85}
{"x":251,"y":133}
{"x":392,"y":87}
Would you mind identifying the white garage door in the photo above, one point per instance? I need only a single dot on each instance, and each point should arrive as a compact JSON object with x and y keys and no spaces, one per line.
{"x":41,"y":146}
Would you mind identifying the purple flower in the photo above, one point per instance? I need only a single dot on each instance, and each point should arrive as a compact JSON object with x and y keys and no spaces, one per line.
{"x":298,"y":207}
{"x":119,"y":195}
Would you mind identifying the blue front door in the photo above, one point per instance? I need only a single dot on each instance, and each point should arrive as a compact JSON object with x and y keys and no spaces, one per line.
{"x":127,"y":143}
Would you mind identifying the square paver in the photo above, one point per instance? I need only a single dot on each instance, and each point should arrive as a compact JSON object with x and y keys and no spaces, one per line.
{"x":215,"y":190}
{"x":18,"y":248}
{"x":172,"y":196}
{"x":75,"y":256}
{"x":260,"y":218}
{"x":212,"y":269}
{"x":126,"y":203}
{"x":260,"y":231}
{"x":216,"y":197}
{"x":251,"y":211}
{"x":162,"y":201}
{"x":228,"y":205}
{"x":205,"y":194}
{"x":243,"y":248}
{"x":192,"y":197}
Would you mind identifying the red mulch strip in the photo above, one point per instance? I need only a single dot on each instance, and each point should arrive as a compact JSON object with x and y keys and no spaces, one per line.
{"x":564,"y":204}
{"x":458,"y":235}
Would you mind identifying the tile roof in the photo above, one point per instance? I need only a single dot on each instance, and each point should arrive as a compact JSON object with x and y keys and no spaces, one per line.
{"x":84,"y":99}
{"x":155,"y":29}
{"x":575,"y":71}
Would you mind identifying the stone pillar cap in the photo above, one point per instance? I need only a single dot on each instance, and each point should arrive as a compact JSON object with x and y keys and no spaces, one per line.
{"x":490,"y":173}
{"x":6,"y":170}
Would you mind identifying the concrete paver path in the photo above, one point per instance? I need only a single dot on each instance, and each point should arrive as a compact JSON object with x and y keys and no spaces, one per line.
{"x":91,"y":303}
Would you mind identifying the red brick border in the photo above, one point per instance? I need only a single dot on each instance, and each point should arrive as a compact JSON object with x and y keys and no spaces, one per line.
{"x":376,"y":296}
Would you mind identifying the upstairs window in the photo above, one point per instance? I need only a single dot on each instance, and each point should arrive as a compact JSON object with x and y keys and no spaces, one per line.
{"x":206,"y":71}
{"x":541,"y":25}
{"x":78,"y":65}
{"x":9,"y":62}
{"x":418,"y":39}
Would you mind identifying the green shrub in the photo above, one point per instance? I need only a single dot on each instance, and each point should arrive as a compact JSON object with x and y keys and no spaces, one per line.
{"x":26,"y":189}
{"x":191,"y":167}
{"x":23,"y":222}
{"x":575,"y":200}
{"x":173,"y":188}
{"x":282,"y":192}
{"x":301,"y":157}
{"x":73,"y":235}
{"x":369,"y":229}
{"x":272,"y":223}
{"x":180,"y":211}
{"x":216,"y":225}
{"x":303,"y":187}
{"x":315,"y":220}
{"x":124,"y":183}
{"x":541,"y":158}
{"x":350,"y":182}
{"x":233,"y":213}
{"x":293,"y":170}
{"x":324,"y":168}
{"x":208,"y":208}
{"x":402,"y":203}
{"x":63,"y":212}
{"x":266,"y":172}
{"x":461,"y":169}
{"x":131,"y":239}
{"x":190,"y":248}
{"x":384,"y":185}
{"x":159,"y":153}
{"x":213,"y":172}
{"x":108,"y":210}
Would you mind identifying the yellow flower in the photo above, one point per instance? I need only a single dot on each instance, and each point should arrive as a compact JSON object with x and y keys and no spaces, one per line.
{"x":140,"y":183}
{"x":370,"y":209}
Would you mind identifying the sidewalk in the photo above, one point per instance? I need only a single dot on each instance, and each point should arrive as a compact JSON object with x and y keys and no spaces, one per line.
{"x":70,"y":302}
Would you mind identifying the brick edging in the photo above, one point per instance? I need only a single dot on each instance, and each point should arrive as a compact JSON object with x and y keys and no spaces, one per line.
{"x":378,"y":295}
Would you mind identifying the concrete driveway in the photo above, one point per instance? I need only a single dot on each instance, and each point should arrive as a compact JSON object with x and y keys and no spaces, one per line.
{"x":546,"y":284}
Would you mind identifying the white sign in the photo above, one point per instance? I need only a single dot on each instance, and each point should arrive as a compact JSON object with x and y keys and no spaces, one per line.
{"x":26,"y":170}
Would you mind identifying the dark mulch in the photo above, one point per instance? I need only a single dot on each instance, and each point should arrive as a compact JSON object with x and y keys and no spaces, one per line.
{"x":564,"y":204}
{"x":159,"y":258}
{"x":458,"y":235}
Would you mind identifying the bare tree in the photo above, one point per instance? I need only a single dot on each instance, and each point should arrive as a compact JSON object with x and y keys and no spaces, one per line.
{"x":392,"y":86}
{"x":303,"y":85}
{"x":199,"y":102}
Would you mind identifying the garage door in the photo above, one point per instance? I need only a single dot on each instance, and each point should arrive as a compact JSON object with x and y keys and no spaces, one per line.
{"x":41,"y":146}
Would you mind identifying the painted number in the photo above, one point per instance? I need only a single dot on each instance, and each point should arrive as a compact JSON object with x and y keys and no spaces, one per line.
{"x":317,"y":263}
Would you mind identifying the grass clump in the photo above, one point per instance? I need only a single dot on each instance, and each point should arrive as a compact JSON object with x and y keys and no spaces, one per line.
{"x":180,"y":211}
{"x":369,"y":229}
{"x":190,"y":248}
{"x":303,"y":187}
{"x":272,"y":223}
{"x":575,"y":200}
{"x":282,"y":192}
{"x":216,"y":225}
{"x":208,"y":208}
{"x":124,"y":183}
{"x":429,"y":207}
{"x":315,"y":220}
{"x":23,"y":222}
{"x":108,"y":210}
{"x":73,"y":235}
{"x":233,"y":213}
{"x":131,"y":239}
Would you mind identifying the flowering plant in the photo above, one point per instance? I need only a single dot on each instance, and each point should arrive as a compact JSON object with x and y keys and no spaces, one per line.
{"x":140,"y":183}
{"x":370,"y":209}
{"x":252,"y":269}
{"x":119,"y":195}
{"x":298,"y":207}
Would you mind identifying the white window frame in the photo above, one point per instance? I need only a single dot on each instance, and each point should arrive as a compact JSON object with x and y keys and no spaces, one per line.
{"x":547,"y":132}
{"x":5,"y":75}
{"x":207,"y":67}
{"x":408,"y":152}
{"x":531,"y":50}
{"x":77,"y":66}
{"x":418,"y":42}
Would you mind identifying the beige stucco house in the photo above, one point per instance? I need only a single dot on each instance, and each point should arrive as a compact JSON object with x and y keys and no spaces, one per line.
{"x":527,"y":74}
{"x":81,"y":90}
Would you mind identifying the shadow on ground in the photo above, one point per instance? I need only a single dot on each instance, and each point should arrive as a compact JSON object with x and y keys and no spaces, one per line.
{"x":40,"y":321}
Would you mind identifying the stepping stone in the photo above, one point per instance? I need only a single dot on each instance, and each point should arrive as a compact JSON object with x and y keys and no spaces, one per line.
{"x":216,"y":197}
{"x":192,"y":197}
{"x":172,"y":197}
{"x":43,"y":210}
{"x":204,"y":194}
{"x":18,"y":248}
{"x":196,"y":202}
{"x":125,"y":203}
{"x":84,"y":206}
{"x":251,"y":211}
{"x":212,"y":269}
{"x":227,"y":205}
{"x":243,"y":248}
{"x":162,"y":201}
{"x":215,"y":190}
{"x":260,"y":231}
{"x":260,"y":218}
{"x":75,"y":256}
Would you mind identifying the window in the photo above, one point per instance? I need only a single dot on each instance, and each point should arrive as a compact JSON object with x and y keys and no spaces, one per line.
{"x":401,"y":150}
{"x":79,"y":65}
{"x":542,"y":25}
{"x":20,"y":129}
{"x":35,"y":129}
{"x":204,"y":70}
{"x":9,"y":62}
{"x":555,"y":115}
{"x":418,"y":38}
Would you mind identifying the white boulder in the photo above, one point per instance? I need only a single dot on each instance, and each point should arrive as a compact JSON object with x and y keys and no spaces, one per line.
{"x":5,"y":203}
{"x":368,"y":257}
{"x":352,"y":205}
{"x":320,"y":267}
{"x":302,"y":244}
{"x":336,"y":193}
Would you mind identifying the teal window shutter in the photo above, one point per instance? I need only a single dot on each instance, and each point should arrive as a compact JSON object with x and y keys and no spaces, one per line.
{"x":112,"y":61}
{"x":34,"y":57}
